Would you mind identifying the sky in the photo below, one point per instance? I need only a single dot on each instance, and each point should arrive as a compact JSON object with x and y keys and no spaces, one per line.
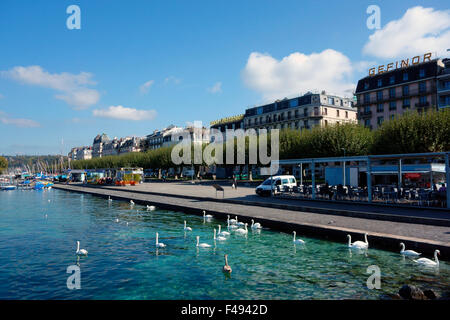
{"x":136,"y":66}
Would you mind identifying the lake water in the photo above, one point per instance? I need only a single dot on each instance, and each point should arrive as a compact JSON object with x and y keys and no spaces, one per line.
{"x":39,"y":230}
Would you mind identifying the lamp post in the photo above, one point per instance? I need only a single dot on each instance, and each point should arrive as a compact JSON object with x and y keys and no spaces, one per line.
{"x":344,"y":165}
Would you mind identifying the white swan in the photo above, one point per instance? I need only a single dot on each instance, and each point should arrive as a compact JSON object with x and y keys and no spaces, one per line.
{"x":231,"y":227}
{"x":131,"y":203}
{"x":109,"y":198}
{"x":220,"y":238}
{"x":238,"y":223}
{"x":410,"y":253}
{"x":242,"y":231}
{"x":231,"y":221}
{"x":117,"y":220}
{"x":429,"y":262}
{"x":150,"y":208}
{"x":255,"y":225}
{"x":159,"y":244}
{"x":358,"y":244}
{"x":206,"y":216}
{"x":202,"y":245}
{"x":226,"y":268}
{"x":297,"y":240}
{"x":186,"y":228}
{"x":80,"y":252}
{"x":222,"y":233}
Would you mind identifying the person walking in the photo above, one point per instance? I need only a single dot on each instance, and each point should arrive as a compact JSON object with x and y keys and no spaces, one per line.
{"x":235,"y":182}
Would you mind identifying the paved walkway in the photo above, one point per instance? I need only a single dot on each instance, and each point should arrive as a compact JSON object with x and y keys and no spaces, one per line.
{"x":383,"y":234}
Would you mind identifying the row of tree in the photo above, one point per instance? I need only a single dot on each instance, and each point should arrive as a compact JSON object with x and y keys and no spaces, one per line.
{"x":3,"y":164}
{"x":410,"y":133}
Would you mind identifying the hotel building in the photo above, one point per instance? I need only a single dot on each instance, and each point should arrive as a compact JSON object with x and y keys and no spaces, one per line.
{"x":443,"y":86}
{"x":382,"y":96}
{"x":303,"y":112}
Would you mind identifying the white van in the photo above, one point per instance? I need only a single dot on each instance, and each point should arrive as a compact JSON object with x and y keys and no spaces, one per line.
{"x":279,"y":183}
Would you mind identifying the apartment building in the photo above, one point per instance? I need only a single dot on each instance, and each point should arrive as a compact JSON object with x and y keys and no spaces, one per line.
{"x":411,"y":87}
{"x":303,"y":112}
{"x":229,"y":123}
{"x":443,"y":85}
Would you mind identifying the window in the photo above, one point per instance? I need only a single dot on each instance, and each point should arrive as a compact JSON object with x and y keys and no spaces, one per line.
{"x":379,"y":95}
{"x":380,"y":107}
{"x":391,"y":79}
{"x":366,"y":85}
{"x":380,"y":120}
{"x":305,"y":112}
{"x":393,"y":105}
{"x":422,"y":87}
{"x":405,"y":76}
{"x":330,"y":100}
{"x":392,"y":93}
{"x":326,"y":123}
{"x":406,"y":103}
{"x":380,"y":82}
{"x":405,"y":90}
{"x":325,"y":111}
{"x":367,"y":98}
{"x":392,"y":116}
{"x":337,"y":113}
{"x":423,"y":100}
{"x":367,"y":122}
{"x":422,"y":73}
{"x":316,"y":111}
{"x":346,"y":114}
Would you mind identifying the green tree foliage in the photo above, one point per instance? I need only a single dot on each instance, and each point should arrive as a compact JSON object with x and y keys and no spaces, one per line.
{"x":3,"y":164}
{"x":414,"y":133}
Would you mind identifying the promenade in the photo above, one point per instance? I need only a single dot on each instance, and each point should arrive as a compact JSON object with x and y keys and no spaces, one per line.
{"x":384,"y":234}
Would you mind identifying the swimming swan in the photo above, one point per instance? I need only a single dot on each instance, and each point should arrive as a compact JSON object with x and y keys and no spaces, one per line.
{"x":358,"y":244}
{"x":428,"y":262}
{"x":297,"y":240}
{"x":410,"y":253}
{"x":80,"y":252}
{"x":255,"y":225}
{"x":206,"y":216}
{"x":186,"y":228}
{"x":226,"y":268}
{"x":159,"y":244}
{"x":150,"y":208}
{"x":220,"y":238}
{"x":202,"y":245}
{"x":222,"y":233}
{"x":231,"y":221}
{"x":242,"y":231}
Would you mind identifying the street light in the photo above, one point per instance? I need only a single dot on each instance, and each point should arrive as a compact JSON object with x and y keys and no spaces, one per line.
{"x":344,"y":165}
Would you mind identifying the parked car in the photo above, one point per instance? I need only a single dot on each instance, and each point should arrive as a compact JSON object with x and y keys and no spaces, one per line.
{"x":276,"y":184}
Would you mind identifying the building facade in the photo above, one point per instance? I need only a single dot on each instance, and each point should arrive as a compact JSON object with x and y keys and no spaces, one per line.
{"x":97,"y":147}
{"x":443,"y":85}
{"x":383,"y":96}
{"x":229,"y":123}
{"x":80,"y":153}
{"x":111,"y":147}
{"x":303,"y":112}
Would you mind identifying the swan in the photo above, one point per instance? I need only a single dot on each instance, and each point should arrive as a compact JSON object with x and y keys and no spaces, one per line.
{"x":220,"y":238}
{"x":222,"y":233}
{"x":410,"y":253}
{"x":150,"y":208}
{"x":226,"y":267}
{"x":231,"y":227}
{"x":358,"y":244}
{"x":231,"y":221}
{"x":429,"y":262}
{"x":238,"y":223}
{"x":117,"y":220}
{"x":109,"y":198}
{"x":297,"y":240}
{"x":159,"y":244}
{"x":202,"y":245}
{"x":80,"y":252}
{"x":207,"y":216}
{"x":242,"y":231}
{"x":186,"y":228}
{"x":131,"y":203}
{"x":256,"y":225}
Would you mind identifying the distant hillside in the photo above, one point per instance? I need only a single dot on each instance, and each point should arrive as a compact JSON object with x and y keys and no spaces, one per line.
{"x":34,"y":161}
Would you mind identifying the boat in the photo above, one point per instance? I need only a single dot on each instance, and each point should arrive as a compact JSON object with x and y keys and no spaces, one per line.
{"x":8,"y":187}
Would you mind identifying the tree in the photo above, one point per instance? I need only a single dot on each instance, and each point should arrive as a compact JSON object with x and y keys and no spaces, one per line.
{"x":3,"y":164}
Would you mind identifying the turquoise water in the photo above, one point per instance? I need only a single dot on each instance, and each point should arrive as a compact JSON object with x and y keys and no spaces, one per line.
{"x":39,"y":230}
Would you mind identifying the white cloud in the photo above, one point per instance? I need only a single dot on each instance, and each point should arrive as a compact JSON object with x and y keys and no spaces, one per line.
{"x":18,"y":122}
{"x":146,"y":86}
{"x":298,"y":73}
{"x":123,"y":113}
{"x":420,"y":30}
{"x":74,"y":87}
{"x":216,"y":88}
{"x":172,"y":79}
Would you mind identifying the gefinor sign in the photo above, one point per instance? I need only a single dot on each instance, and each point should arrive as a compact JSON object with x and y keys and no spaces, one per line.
{"x":400,"y":64}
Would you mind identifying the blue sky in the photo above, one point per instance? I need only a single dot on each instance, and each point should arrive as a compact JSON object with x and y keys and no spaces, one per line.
{"x":202,"y":60}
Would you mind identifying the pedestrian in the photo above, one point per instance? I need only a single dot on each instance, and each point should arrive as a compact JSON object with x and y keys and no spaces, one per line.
{"x":235,"y":182}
